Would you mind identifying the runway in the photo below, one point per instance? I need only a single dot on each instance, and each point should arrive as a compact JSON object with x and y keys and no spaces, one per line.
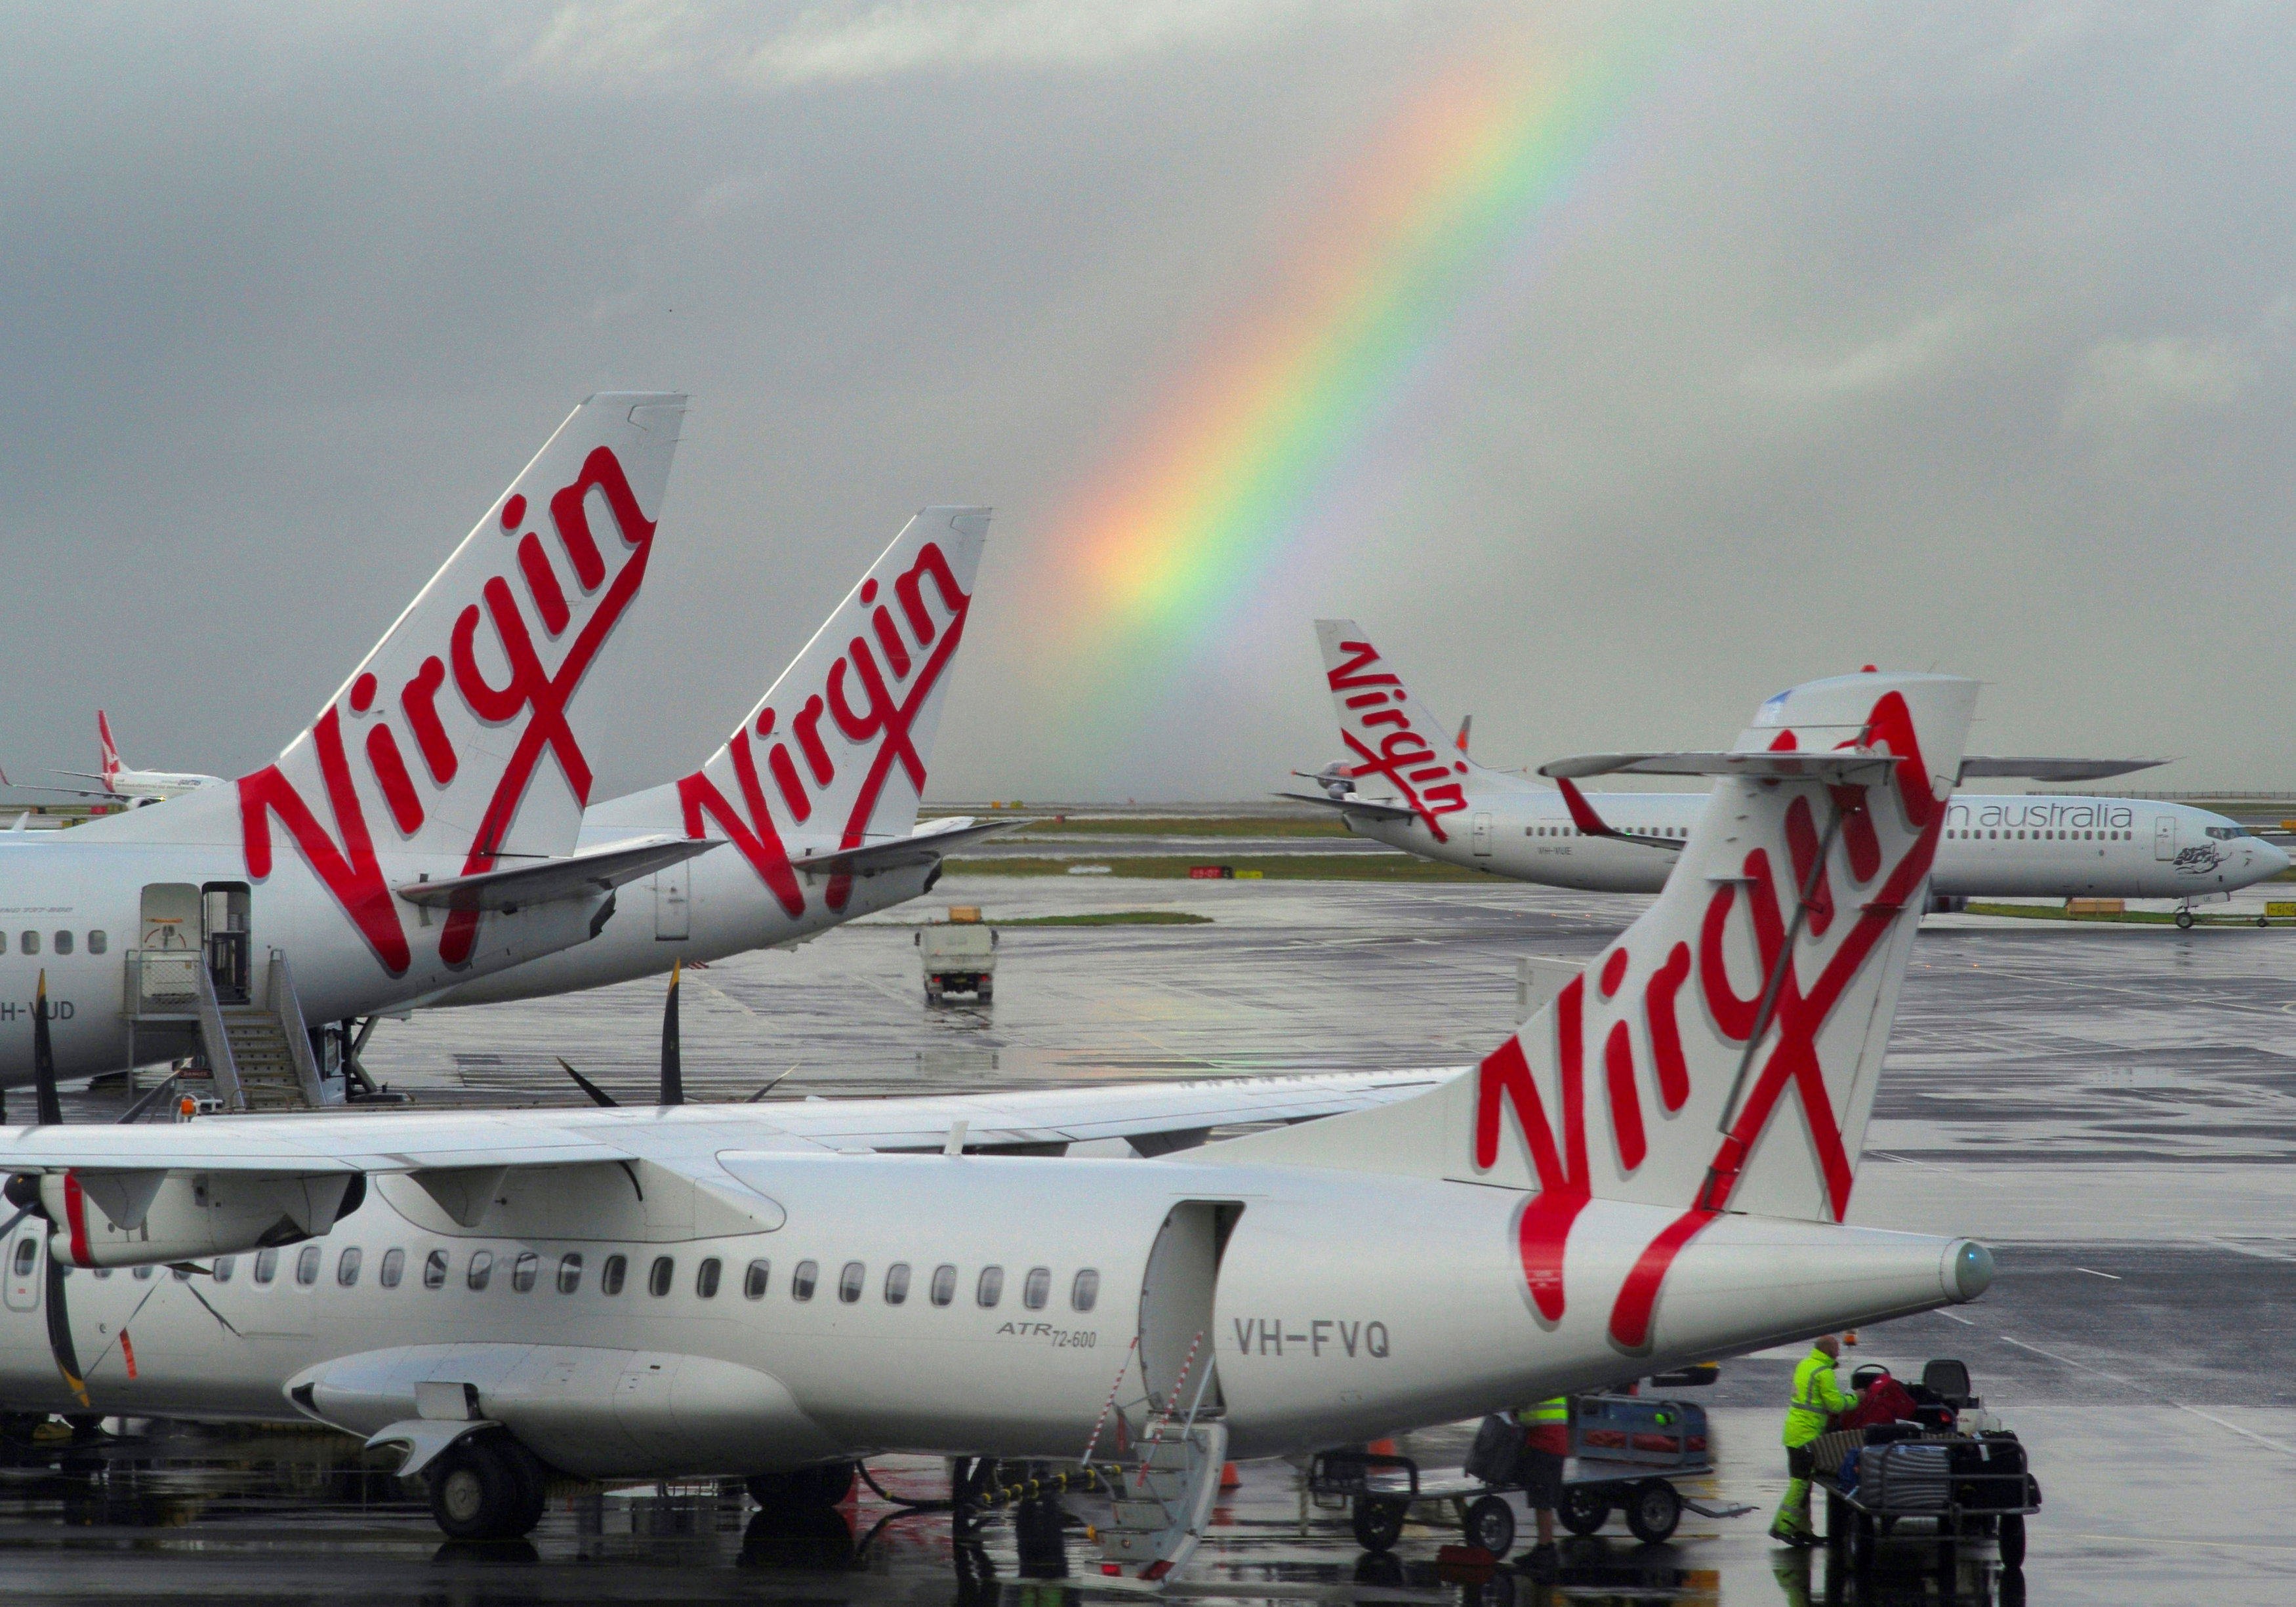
{"x":2113,"y":1108}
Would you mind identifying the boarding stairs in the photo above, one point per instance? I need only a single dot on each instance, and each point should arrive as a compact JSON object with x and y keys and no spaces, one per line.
{"x":258,"y":1051}
{"x":1163,"y":1499}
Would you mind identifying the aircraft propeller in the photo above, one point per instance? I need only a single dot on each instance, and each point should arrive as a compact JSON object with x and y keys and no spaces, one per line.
{"x":673,"y":1080}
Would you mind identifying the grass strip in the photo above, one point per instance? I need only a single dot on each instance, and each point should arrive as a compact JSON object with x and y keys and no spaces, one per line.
{"x":1272,"y":867}
{"x":1111,"y":917}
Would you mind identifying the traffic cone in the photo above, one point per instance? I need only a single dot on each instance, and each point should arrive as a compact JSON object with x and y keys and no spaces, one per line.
{"x":1229,"y":1477}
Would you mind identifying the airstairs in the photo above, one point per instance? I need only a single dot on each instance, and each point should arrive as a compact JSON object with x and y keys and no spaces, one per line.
{"x":1164,"y":1498}
{"x":256,"y":1049}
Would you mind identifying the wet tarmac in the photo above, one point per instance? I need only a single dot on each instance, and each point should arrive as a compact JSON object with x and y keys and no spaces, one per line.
{"x":2112,"y":1107}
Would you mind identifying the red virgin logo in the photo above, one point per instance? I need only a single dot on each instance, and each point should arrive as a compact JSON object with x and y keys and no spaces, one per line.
{"x":1556,"y":1146}
{"x":1413,"y":765}
{"x":870,"y":696}
{"x":532,"y":697}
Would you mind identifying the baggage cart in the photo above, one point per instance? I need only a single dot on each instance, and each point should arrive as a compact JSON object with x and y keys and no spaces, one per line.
{"x":1626,"y":1452}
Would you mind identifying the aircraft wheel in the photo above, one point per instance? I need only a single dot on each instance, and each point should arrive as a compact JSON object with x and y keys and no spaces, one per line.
{"x":533,"y":1483}
{"x":1584,"y":1510}
{"x":1379,"y":1522}
{"x":477,"y":1492}
{"x":823,"y":1485}
{"x":2184,"y":920}
{"x":1490,"y":1524}
{"x":1652,"y":1511}
{"x":2264,"y":921}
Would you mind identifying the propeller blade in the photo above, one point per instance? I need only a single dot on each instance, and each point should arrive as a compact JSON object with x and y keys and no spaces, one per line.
{"x":597,"y":1094}
{"x":43,"y":1058}
{"x":770,"y":1086}
{"x":60,"y":1339}
{"x":673,"y":1080}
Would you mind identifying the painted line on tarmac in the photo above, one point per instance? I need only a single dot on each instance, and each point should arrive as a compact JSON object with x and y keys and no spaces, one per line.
{"x":2232,"y":1428}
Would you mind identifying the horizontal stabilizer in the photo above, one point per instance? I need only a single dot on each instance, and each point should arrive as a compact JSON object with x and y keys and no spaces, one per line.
{"x":1845,"y":766}
{"x":1353,"y":806}
{"x":574,"y":876}
{"x":929,"y":842}
{"x":1978,"y":765}
{"x":1583,"y":816}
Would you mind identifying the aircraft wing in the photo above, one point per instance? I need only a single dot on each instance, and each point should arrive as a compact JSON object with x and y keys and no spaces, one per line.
{"x":68,"y":792}
{"x":929,"y":842}
{"x":1354,"y":805}
{"x":2054,"y":769}
{"x":1584,"y":816}
{"x":539,"y":881}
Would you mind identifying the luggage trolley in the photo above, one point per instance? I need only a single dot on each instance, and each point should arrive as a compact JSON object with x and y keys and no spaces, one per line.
{"x":1970,"y":1479}
{"x":1626,"y":1451}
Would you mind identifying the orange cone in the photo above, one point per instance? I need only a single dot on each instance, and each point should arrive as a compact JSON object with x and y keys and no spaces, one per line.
{"x":1382,"y":1447}
{"x":1229,"y":1477}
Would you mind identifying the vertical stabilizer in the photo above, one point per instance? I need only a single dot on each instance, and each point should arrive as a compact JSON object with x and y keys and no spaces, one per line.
{"x":1722,"y":1054}
{"x":1397,"y":751}
{"x":835,"y":754}
{"x":109,"y":755}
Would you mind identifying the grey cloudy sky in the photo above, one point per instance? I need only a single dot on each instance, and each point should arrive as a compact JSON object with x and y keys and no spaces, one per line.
{"x":1952,"y":335}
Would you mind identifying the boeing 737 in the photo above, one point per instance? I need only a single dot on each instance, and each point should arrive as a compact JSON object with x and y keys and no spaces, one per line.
{"x":1654,"y":1171}
{"x":1405,"y":783}
{"x":420,"y":832}
{"x":122,"y":783}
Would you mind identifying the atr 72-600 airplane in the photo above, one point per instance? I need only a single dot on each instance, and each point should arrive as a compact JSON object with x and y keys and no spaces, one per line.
{"x":420,"y":833}
{"x":1403,"y":784}
{"x":1652,"y":1171}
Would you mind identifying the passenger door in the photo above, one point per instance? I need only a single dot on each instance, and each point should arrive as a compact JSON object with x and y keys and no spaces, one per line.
{"x":25,"y":1270}
{"x":1177,"y":1341}
{"x":1483,"y":835}
{"x":672,"y":906}
{"x":2164,"y":837}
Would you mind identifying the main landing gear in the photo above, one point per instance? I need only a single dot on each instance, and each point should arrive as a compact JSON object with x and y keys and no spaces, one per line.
{"x":488,"y":1487}
{"x":806,"y":1487}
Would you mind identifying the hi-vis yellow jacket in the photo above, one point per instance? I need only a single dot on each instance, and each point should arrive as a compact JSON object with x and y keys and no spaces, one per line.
{"x":1815,"y":1398}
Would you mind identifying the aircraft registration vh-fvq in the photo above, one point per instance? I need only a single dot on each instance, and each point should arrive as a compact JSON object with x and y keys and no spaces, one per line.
{"x":426,"y":842}
{"x":1406,"y":784}
{"x":1654,"y":1170}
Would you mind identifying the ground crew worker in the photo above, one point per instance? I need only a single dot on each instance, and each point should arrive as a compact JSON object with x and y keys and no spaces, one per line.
{"x":1546,"y":1443}
{"x":1817,"y":1398}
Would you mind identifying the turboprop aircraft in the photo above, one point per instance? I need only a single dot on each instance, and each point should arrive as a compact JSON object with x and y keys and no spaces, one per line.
{"x":1402,"y":785}
{"x":817,"y":789}
{"x":422,"y":832}
{"x":1652,"y":1171}
{"x":122,"y":782}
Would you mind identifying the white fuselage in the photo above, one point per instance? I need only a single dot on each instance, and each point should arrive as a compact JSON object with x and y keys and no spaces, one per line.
{"x":1338,"y":1306}
{"x":151,"y":786}
{"x":2041,"y":846}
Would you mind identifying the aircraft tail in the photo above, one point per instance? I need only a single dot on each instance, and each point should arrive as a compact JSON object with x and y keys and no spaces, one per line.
{"x":836,"y":750}
{"x":109,"y":765}
{"x":1397,"y":751}
{"x":1722,"y":1053}
{"x":458,"y":733}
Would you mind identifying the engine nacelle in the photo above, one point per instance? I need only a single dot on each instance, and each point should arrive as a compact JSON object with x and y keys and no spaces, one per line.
{"x":131,"y":1218}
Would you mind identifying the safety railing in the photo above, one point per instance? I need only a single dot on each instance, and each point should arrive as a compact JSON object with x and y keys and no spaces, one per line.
{"x":289,"y":1009}
{"x":164,"y":982}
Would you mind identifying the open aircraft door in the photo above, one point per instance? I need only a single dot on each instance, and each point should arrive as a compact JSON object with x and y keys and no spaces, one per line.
{"x":1177,"y":1341}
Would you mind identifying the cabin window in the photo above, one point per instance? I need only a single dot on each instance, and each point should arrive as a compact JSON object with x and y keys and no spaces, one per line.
{"x":29,"y":943}
{"x":896,"y":1283}
{"x":524,"y":1271}
{"x":1084,"y":1294}
{"x":307,"y":1266}
{"x":434,"y":1270}
{"x":705,"y":1278}
{"x":754,"y":1280}
{"x":346,"y":1265}
{"x":225,"y":1265}
{"x":63,"y":943}
{"x":482,"y":1269}
{"x":850,"y":1281}
{"x":611,"y":1275}
{"x":267,"y":1265}
{"x":991,"y":1287}
{"x":944,"y":1286}
{"x":659,"y":1275}
{"x":183,"y":1272}
{"x":1037,"y":1288}
{"x":393,"y":1269}
{"x":100,"y":1271}
{"x":27,"y":1251}
{"x":142,"y":1273}
{"x":4,"y":942}
{"x":802,"y":1280}
{"x":97,"y":942}
{"x":569,"y":1274}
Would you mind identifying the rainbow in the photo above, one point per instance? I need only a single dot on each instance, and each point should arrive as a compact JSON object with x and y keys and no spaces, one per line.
{"x":1169,"y":541}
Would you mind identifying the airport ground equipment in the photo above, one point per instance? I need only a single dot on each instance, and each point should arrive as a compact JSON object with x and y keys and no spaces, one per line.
{"x":959,"y":955}
{"x":1626,"y":1452}
{"x":1972,"y":1480}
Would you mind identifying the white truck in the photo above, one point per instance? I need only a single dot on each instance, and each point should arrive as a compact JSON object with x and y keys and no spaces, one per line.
{"x":959,"y":955}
